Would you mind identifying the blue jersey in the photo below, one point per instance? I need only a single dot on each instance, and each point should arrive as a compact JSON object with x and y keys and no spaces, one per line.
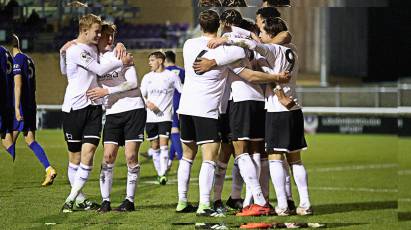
{"x":181,"y":73}
{"x":6,"y":78}
{"x":24,"y":66}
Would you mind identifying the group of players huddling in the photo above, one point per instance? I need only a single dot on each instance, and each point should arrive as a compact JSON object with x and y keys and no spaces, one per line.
{"x":238,"y":98}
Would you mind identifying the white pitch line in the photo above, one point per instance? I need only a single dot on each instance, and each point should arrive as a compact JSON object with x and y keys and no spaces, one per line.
{"x":404,"y":200}
{"x":353,"y":167}
{"x":352,"y":189}
{"x":404,"y":172}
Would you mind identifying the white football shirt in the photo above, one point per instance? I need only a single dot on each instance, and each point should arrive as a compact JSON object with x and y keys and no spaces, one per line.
{"x":82,"y":68}
{"x":158,"y":88}
{"x":122,"y":84}
{"x":202,"y":94}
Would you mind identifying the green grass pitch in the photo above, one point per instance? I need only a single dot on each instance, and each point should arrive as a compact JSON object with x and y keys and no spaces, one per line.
{"x":355,"y":181}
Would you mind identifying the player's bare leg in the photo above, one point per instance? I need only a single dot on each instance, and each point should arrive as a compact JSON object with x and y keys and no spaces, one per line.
{"x":183,"y":175}
{"x":301,"y":180}
{"x":9,"y":145}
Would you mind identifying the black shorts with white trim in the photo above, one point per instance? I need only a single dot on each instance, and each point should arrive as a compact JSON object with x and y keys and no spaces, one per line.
{"x":285,"y":131}
{"x":82,"y":126}
{"x":200,"y":130}
{"x":121,"y":128}
{"x":247,"y":120}
{"x":156,"y":129}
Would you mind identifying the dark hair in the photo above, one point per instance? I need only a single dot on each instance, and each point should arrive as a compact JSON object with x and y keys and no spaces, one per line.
{"x":268,"y":12}
{"x":209,"y":3}
{"x":274,"y":26}
{"x":277,"y":3}
{"x":232,"y":17}
{"x":249,"y":25}
{"x":234,"y":3}
{"x":158,"y":54}
{"x":209,"y":21}
{"x":170,"y":56}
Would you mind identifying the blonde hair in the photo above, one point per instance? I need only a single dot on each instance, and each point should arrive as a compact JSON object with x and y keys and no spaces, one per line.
{"x":108,"y":28}
{"x":87,"y":21}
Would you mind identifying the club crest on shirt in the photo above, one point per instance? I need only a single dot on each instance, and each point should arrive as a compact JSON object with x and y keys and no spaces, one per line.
{"x":86,"y":57}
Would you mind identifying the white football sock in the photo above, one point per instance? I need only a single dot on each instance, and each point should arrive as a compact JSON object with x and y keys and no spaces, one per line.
{"x":301,"y":180}
{"x":206,"y":181}
{"x":106,"y":180}
{"x":71,"y":173}
{"x":287,"y":181}
{"x":183,"y":178}
{"x":248,"y":172}
{"x":237,"y":182}
{"x":278,"y":179}
{"x":132,"y":180}
{"x":80,"y":179}
{"x":265,"y":178}
{"x":156,"y":160}
{"x":248,"y":199}
{"x":163,"y":160}
{"x":220,"y":172}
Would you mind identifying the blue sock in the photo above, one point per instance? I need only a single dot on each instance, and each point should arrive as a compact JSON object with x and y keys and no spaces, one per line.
{"x":175,"y":140}
{"x":40,"y":154}
{"x":171,"y":152}
{"x":11,"y":150}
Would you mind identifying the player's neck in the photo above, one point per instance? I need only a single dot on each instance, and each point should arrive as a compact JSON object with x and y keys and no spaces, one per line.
{"x":210,"y":35}
{"x":159,"y":70}
{"x":15,"y":51}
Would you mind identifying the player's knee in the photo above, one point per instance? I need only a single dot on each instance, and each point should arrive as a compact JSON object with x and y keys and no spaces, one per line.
{"x":109,"y":158}
{"x":131,"y":159}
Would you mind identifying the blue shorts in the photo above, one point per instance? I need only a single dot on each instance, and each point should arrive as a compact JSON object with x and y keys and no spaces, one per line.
{"x":29,"y":122}
{"x":176,"y":122}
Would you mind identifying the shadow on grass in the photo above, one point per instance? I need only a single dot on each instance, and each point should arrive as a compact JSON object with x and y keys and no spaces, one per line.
{"x":348,"y":207}
{"x":404,"y":216}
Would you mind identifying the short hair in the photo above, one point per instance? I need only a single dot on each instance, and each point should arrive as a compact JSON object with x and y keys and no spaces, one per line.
{"x":15,"y":41}
{"x":170,"y":56}
{"x":209,"y":3}
{"x":158,"y":54}
{"x":268,"y":12}
{"x":274,"y":26}
{"x":232,"y":17}
{"x":278,"y":3}
{"x":209,"y":21}
{"x":87,"y":21}
{"x":108,"y":28}
{"x":234,"y":3}
{"x":249,"y":25}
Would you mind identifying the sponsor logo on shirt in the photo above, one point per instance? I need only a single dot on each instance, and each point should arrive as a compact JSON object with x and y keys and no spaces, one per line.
{"x":108,"y":76}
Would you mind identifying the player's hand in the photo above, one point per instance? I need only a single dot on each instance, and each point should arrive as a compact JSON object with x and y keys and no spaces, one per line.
{"x":97,"y":93}
{"x":284,"y":77}
{"x":19,"y":117}
{"x":216,"y":42}
{"x":66,"y":46}
{"x":120,"y":50}
{"x":128,"y":60}
{"x":151,"y":106}
{"x":287,"y":102}
{"x":202,"y":65}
